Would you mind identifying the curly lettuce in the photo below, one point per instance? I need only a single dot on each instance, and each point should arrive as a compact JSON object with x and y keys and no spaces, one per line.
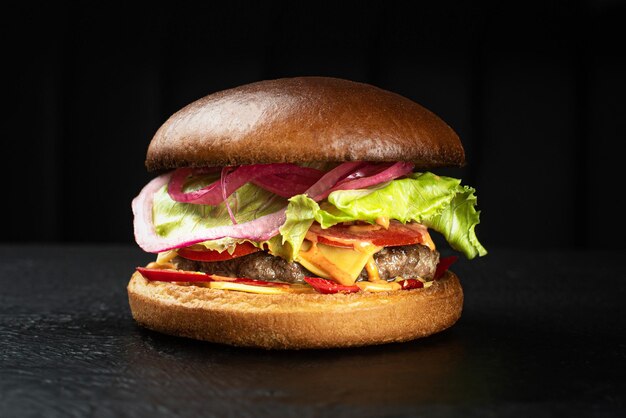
{"x":440,"y":203}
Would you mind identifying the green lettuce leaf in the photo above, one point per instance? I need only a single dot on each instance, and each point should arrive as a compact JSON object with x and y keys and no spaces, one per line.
{"x":225,"y":244}
{"x":440,"y":203}
{"x":300,"y":215}
{"x":249,"y":202}
{"x":277,"y":247}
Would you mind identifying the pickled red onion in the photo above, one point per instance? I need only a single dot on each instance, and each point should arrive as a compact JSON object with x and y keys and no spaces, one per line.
{"x":372,"y":175}
{"x":284,"y":179}
{"x":209,"y":195}
{"x":291,"y":183}
{"x":321,"y":189}
{"x":223,"y":179}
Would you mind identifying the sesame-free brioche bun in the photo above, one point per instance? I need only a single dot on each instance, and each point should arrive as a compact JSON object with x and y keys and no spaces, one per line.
{"x":300,"y":120}
{"x":303,"y":119}
{"x":295,"y":321}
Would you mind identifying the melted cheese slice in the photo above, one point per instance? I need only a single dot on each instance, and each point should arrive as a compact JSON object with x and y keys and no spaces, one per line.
{"x":340,"y":264}
{"x":428,"y":241}
{"x":264,"y":290}
{"x":165,"y":257}
{"x":379,"y":286}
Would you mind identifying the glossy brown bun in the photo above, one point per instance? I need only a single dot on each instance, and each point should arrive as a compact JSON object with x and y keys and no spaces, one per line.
{"x":295,"y":321}
{"x":304,"y":119}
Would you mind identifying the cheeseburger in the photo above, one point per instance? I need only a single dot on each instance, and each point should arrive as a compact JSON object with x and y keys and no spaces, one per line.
{"x":297,"y":213}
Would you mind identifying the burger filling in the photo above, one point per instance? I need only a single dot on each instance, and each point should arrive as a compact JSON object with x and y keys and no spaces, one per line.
{"x":359,"y":226}
{"x":407,"y":261}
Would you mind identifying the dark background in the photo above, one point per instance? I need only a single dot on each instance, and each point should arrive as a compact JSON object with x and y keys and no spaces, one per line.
{"x":534,"y":89}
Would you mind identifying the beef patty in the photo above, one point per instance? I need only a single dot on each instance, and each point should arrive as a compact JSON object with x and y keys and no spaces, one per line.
{"x":406,"y":261}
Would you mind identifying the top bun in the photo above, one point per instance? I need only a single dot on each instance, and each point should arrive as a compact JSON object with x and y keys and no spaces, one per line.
{"x":300,"y":120}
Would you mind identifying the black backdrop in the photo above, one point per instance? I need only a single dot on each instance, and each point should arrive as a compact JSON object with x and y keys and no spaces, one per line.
{"x":535,"y":90}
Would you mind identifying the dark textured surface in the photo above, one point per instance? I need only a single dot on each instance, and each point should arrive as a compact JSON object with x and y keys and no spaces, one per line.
{"x":542,"y":334}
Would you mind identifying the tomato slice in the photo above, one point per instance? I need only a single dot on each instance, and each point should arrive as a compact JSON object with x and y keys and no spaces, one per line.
{"x":328,"y":287}
{"x":327,"y":241}
{"x":346,"y":235}
{"x":211,"y":255}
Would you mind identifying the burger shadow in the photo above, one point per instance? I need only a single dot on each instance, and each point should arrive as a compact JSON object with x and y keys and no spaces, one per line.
{"x":428,"y":369}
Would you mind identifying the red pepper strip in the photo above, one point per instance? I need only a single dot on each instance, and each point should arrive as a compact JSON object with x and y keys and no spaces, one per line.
{"x":444,"y":264}
{"x":161,"y":275}
{"x":327,"y":287}
{"x":409,"y":284}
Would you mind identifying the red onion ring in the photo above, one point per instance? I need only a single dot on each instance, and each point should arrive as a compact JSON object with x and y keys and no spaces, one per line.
{"x":206,"y":195}
{"x":272,"y":177}
{"x":375,"y":174}
{"x":321,"y":189}
{"x":291,"y":183}
{"x":225,"y":195}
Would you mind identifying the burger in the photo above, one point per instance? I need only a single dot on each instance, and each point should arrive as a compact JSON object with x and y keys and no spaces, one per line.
{"x":297,"y":213}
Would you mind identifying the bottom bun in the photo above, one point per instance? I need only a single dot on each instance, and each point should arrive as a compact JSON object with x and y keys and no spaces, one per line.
{"x":295,"y":321}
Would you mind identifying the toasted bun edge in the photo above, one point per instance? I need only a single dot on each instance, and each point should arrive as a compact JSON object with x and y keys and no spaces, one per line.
{"x":295,"y":321}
